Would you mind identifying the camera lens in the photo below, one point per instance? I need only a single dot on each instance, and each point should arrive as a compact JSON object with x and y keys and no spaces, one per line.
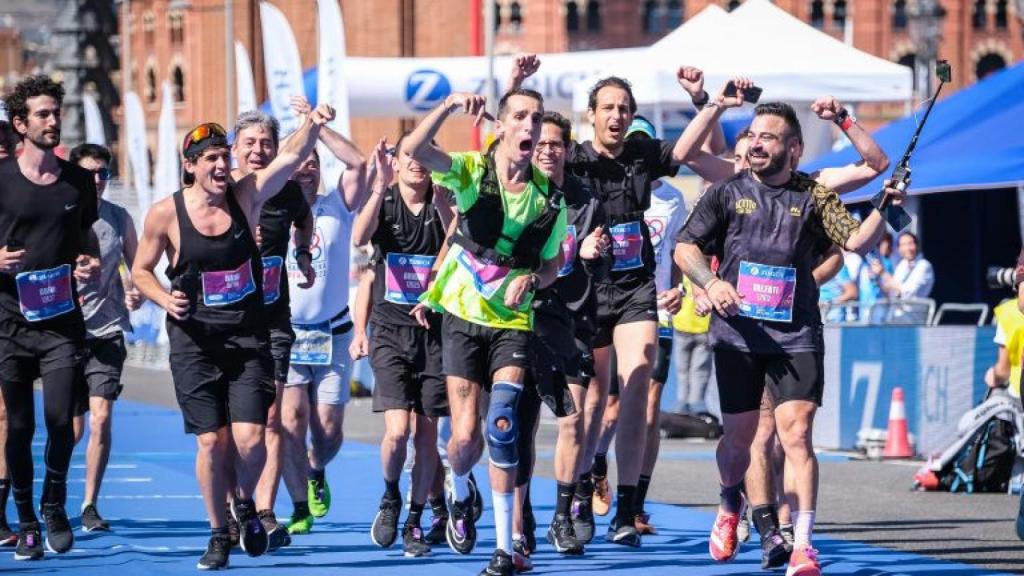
{"x":997,"y":277}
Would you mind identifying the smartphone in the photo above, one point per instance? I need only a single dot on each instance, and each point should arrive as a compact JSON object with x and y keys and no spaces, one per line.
{"x":13,"y":245}
{"x":752,"y":94}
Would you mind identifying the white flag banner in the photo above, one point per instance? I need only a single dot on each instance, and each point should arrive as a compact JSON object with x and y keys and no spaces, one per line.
{"x":94,"y":133}
{"x":245,"y":86}
{"x":283,"y":66}
{"x":138,"y":151}
{"x":330,"y":85}
{"x":166,"y":178}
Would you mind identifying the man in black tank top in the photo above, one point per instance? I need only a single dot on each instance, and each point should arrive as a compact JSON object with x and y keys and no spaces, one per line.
{"x":47,"y":208}
{"x":406,"y":228}
{"x":220,"y":357}
{"x":256,"y":140}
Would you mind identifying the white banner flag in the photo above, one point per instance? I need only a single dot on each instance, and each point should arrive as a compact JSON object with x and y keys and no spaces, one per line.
{"x":283,"y":66}
{"x":94,"y":133}
{"x":166,"y":179}
{"x":138,"y":151}
{"x":330,"y":85}
{"x":245,"y":86}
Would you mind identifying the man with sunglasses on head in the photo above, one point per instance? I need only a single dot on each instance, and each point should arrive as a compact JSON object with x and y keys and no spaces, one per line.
{"x":47,"y":209}
{"x":105,"y":305}
{"x":220,"y":350}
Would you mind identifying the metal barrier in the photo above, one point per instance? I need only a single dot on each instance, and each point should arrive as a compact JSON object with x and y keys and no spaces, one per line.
{"x":909,"y":311}
{"x":980,"y":308}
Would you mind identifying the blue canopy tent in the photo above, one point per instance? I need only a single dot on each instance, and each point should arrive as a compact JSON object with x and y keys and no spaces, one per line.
{"x":973,"y":140}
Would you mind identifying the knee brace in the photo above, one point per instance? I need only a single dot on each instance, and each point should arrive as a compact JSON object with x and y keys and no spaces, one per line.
{"x":503,"y":424}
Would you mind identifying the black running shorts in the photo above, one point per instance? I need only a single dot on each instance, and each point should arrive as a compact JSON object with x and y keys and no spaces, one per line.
{"x":407,"y":373}
{"x":475,"y":352}
{"x":281,"y":339}
{"x":743,"y":377}
{"x":623,"y":303}
{"x":28,"y":351}
{"x":101,"y":368}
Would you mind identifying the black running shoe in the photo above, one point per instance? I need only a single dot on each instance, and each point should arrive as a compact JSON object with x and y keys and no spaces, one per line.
{"x":775,"y":552}
{"x":478,"y":499}
{"x":92,"y":521}
{"x":384,"y":529}
{"x":59,"y":538}
{"x":521,"y":557}
{"x":7,"y":536}
{"x":500,"y":565}
{"x":30,"y":543}
{"x":436,"y":533}
{"x":233,"y":530}
{"x":562,"y":536}
{"x":217,"y":552}
{"x":461,"y":528}
{"x":252,"y":536}
{"x":582,"y":520}
{"x":623,"y":533}
{"x":277,"y":535}
{"x":530,"y":529}
{"x":413,"y":543}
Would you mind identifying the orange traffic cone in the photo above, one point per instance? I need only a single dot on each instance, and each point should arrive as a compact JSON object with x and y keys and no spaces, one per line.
{"x":897,"y":441}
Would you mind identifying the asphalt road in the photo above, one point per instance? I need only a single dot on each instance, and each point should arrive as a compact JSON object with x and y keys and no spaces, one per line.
{"x":869,"y":502}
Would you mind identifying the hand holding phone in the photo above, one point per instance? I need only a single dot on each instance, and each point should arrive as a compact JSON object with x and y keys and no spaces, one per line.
{"x":752,"y":94}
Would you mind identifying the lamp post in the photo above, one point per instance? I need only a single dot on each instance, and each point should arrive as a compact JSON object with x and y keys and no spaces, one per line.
{"x":924,"y":18}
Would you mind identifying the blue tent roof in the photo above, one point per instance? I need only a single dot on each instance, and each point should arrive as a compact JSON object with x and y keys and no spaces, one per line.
{"x":974,"y":139}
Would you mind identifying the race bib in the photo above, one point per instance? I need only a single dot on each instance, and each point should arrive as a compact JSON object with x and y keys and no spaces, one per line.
{"x":43,"y":294}
{"x":627,"y":246}
{"x":228,"y":287}
{"x":568,"y":251}
{"x":272,"y":267}
{"x":767,"y":291}
{"x":313,"y":344}
{"x":487,"y":278}
{"x":406,"y":277}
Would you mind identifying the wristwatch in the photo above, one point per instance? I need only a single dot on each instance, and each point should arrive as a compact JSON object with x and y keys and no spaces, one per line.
{"x":700,"y":102}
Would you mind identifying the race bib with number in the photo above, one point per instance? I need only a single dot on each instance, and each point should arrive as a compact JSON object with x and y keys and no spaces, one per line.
{"x":487,"y":278}
{"x":568,"y":251}
{"x":44,"y":294}
{"x":313,"y":344}
{"x":627,"y":246}
{"x":768,"y":291}
{"x":406,"y":277}
{"x":228,"y":287}
{"x":272,"y":268}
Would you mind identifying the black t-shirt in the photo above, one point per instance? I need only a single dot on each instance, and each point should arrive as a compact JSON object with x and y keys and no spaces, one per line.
{"x":50,"y":222}
{"x":623,"y":186}
{"x":404,"y":248}
{"x":276,"y":218}
{"x":777,"y":238}
{"x":573,"y":291}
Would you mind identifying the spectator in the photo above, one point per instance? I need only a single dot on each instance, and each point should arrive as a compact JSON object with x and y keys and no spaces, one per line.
{"x":841,"y":289}
{"x":1010,"y":340}
{"x":691,"y":352}
{"x":873,"y":299}
{"x":913,"y":278}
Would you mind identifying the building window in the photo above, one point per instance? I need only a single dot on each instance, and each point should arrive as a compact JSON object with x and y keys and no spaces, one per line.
{"x":818,"y":14}
{"x":497,"y":16}
{"x":175,"y":21}
{"x":650,"y":17}
{"x":733,"y":4}
{"x":899,"y":14}
{"x":979,"y":18}
{"x":988,"y":64}
{"x":148,"y":27}
{"x":150,"y":93}
{"x":593,"y":16}
{"x":178,"y":79}
{"x":673,"y":14}
{"x":910,"y":61}
{"x":515,"y":15}
{"x":839,"y":13}
{"x":572,"y":16}
{"x":1001,"y":19}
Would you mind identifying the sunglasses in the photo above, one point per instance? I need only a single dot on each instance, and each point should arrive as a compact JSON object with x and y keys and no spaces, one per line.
{"x":204,"y":131}
{"x":103,"y":173}
{"x":391,"y":152}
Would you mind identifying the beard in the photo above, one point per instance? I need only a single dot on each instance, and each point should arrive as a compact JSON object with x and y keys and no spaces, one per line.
{"x":45,"y":140}
{"x":772,"y":166}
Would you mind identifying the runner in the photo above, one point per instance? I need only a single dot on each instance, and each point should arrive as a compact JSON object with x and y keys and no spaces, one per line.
{"x":8,"y":143}
{"x":774,"y":342}
{"x":256,"y":140}
{"x":510,"y":232}
{"x":406,"y":228}
{"x":319,"y":373}
{"x":105,"y":304}
{"x":47,"y":208}
{"x":220,"y":350}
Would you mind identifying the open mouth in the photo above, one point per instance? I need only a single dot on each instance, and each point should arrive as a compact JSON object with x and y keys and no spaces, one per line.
{"x":526,"y":146}
{"x":219,"y":178}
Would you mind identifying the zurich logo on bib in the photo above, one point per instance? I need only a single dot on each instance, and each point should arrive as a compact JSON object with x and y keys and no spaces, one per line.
{"x":425,"y":89}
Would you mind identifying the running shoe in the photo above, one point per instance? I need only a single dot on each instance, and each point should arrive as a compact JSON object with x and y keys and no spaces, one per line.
{"x":300,"y":524}
{"x":787,"y":533}
{"x":217,"y":553}
{"x":623,"y":533}
{"x":775,"y":552}
{"x":59,"y":538}
{"x":413,"y":544}
{"x":436,"y":533}
{"x":501,"y":564}
{"x":319,"y":494}
{"x":642,"y":523}
{"x":461,"y":528}
{"x":583,"y":520}
{"x":384,"y":529}
{"x":743,"y":528}
{"x":804,"y":562}
{"x":7,"y":536}
{"x":478,"y":499}
{"x":521,"y":557}
{"x":30,"y":543}
{"x":724,"y":544}
{"x":277,"y":535}
{"x":602,"y":500}
{"x":92,"y":521}
{"x":252,"y":535}
{"x":562,"y":536}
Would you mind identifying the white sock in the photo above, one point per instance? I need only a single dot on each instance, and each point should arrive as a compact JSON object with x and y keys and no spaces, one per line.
{"x":460,"y":486}
{"x":503,"y":519}
{"x":803,"y":525}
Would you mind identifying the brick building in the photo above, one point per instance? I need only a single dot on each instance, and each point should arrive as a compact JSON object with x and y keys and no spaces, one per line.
{"x":182,"y":41}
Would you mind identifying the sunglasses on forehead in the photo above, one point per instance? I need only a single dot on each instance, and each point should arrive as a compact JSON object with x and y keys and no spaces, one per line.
{"x":204,"y":131}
